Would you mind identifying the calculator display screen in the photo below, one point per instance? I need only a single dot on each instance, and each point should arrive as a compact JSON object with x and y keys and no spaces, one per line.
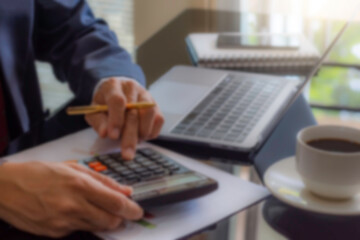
{"x":168,"y":183}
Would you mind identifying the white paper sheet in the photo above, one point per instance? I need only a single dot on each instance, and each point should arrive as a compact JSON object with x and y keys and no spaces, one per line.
{"x":172,"y":221}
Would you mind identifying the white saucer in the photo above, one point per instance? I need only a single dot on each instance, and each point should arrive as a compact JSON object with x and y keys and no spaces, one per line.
{"x":285,"y":184}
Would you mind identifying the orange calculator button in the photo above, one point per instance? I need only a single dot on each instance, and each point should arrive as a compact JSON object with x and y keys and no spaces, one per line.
{"x":100,"y":168}
{"x":94,"y":164}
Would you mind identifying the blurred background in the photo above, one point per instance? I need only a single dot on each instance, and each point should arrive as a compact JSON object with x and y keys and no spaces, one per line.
{"x":334,"y":92}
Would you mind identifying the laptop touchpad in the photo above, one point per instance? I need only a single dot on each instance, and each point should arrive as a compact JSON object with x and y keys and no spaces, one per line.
{"x":177,"y":98}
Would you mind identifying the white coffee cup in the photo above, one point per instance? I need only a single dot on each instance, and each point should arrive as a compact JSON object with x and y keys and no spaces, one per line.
{"x":327,"y":173}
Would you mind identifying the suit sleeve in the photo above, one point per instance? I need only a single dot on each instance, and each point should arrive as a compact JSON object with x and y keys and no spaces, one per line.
{"x":81,"y":48}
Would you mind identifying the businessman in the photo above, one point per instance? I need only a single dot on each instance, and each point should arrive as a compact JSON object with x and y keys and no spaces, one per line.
{"x":54,"y":199}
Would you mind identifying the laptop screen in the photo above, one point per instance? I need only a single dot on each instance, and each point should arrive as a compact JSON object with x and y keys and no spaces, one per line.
{"x":313,"y":71}
{"x":307,"y":79}
{"x":321,"y":60}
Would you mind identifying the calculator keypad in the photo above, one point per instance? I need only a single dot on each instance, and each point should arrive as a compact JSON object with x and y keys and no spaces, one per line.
{"x":148,"y":164}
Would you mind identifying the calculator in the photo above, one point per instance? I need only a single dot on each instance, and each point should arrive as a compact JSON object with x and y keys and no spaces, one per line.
{"x":156,"y":179}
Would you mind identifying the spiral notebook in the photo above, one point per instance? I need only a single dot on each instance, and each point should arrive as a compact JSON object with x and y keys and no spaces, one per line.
{"x":204,"y":53}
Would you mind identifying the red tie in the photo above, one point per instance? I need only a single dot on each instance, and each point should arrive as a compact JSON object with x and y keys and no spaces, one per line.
{"x":3,"y":125}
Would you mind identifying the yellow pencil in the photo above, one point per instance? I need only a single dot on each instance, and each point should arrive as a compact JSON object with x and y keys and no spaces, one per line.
{"x":80,"y":110}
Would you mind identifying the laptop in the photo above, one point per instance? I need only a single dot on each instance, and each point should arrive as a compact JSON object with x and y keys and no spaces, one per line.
{"x":208,"y":110}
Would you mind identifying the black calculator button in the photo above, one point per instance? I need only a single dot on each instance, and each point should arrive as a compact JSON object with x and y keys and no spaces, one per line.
{"x":140,"y":169}
{"x":120,"y":169}
{"x":152,"y":176}
{"x":154,"y":156}
{"x":140,"y":159}
{"x":133,"y":165}
{"x":131,"y":176}
{"x":127,"y":163}
{"x":154,"y":167}
{"x":106,"y":172}
{"x":119,"y":179}
{"x":132,"y":179}
{"x":127,"y":173}
{"x":107,"y":161}
{"x":114,"y":165}
{"x":145,"y":175}
{"x":148,"y":163}
{"x":146,"y":151}
{"x":117,"y":158}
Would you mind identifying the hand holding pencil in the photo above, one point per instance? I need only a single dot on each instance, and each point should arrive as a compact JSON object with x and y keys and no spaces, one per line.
{"x":123,"y":109}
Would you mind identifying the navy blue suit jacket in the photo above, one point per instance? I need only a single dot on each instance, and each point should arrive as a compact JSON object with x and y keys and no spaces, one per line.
{"x":81,"y":49}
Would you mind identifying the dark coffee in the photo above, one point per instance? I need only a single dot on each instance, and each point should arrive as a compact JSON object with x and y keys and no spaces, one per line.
{"x":335,"y":145}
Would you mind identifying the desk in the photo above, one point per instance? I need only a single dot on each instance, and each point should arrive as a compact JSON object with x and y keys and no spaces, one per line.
{"x":269,"y":219}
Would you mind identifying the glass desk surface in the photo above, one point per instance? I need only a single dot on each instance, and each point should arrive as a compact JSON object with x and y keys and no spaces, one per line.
{"x":270,"y":219}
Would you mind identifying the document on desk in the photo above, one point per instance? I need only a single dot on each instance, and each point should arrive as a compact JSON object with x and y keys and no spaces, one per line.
{"x":167,"y":222}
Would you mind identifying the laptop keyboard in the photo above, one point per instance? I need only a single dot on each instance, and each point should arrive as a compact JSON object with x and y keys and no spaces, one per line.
{"x":230,"y":111}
